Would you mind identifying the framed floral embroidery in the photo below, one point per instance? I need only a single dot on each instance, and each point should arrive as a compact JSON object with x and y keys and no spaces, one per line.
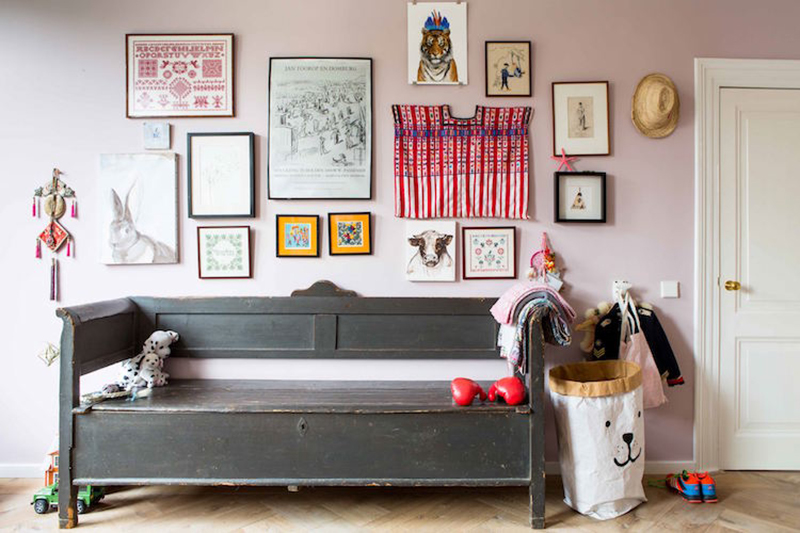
{"x":223,"y":252}
{"x":350,"y":234}
{"x":489,"y":253}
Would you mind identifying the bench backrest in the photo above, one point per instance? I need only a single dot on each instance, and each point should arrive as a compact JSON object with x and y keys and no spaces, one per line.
{"x":324,"y":322}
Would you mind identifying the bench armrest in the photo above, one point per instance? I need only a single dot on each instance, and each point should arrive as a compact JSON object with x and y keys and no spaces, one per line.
{"x":97,"y":335}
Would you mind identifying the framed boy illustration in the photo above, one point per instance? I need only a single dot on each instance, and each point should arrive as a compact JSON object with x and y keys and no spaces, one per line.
{"x":508,"y":68}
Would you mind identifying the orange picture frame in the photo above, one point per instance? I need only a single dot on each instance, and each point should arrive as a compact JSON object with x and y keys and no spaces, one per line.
{"x":349,"y":233}
{"x":297,"y":235}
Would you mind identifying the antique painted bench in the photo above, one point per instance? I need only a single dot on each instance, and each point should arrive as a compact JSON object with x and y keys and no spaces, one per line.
{"x":335,"y":433}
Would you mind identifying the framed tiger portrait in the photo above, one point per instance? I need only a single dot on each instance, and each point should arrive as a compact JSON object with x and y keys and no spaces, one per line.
{"x":437,"y":43}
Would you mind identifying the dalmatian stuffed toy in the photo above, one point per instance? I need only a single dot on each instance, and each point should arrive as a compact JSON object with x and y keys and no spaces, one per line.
{"x":147,"y":368}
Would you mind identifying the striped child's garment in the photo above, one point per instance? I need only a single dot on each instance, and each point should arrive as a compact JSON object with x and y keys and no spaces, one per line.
{"x":446,"y":167}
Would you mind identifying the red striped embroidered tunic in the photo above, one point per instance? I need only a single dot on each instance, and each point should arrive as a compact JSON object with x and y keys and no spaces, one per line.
{"x":447,"y":167}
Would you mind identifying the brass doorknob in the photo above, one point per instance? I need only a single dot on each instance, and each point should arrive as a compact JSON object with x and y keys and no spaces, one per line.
{"x":731,"y":285}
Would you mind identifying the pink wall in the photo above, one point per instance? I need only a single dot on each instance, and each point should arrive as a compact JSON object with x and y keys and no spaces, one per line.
{"x":62,"y":99}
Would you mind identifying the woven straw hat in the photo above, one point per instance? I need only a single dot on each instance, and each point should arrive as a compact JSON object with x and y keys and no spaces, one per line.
{"x":655,"y":107}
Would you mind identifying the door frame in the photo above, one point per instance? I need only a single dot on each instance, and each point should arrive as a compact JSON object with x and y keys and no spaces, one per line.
{"x":710,"y":77}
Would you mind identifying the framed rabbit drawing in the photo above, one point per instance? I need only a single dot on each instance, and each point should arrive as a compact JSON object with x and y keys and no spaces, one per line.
{"x":138,"y":208}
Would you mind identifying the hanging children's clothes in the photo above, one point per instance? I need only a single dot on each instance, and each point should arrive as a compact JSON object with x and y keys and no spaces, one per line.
{"x":447,"y":167}
{"x":607,"y":340}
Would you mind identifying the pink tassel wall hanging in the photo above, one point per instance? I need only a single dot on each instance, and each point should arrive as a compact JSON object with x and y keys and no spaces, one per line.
{"x":69,"y":248}
{"x":55,"y":195}
{"x":74,"y":209}
{"x":33,"y":207}
{"x":38,"y":248}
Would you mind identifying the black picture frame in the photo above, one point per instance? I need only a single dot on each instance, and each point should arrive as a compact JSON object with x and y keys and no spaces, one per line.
{"x":368,"y":214}
{"x":252,"y":203}
{"x":486,"y":70}
{"x":369,"y":140}
{"x":278,"y":226}
{"x":559,"y":176}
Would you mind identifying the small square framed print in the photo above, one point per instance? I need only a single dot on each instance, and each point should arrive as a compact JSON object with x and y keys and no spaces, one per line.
{"x":580,"y":118}
{"x":223,"y":252}
{"x":580,"y":196}
{"x":349,"y":234}
{"x":489,"y":253}
{"x":156,"y":135}
{"x":297,"y":235}
{"x":508,"y":68}
{"x":221,"y":174}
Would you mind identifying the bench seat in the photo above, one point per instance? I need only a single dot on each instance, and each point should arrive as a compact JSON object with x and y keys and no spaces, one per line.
{"x":282,"y":396}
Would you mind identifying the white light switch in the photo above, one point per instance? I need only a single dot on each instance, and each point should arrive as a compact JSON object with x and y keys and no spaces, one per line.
{"x":670,"y":289}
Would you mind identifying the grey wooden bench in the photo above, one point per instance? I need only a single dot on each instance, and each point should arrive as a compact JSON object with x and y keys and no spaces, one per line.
{"x":335,"y":433}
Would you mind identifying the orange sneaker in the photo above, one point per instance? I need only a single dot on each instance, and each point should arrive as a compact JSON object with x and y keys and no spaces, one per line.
{"x":687,"y":485}
{"x":708,"y":488}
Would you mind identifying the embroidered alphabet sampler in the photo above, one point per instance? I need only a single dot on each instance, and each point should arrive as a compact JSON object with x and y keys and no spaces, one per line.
{"x":448,"y":167}
{"x":180,"y":75}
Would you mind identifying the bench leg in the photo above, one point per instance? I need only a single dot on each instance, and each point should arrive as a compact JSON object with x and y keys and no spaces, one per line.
{"x":67,"y":507}
{"x":537,"y":503}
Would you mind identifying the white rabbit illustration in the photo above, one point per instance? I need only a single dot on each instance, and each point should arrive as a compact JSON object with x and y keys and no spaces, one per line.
{"x":127,"y":244}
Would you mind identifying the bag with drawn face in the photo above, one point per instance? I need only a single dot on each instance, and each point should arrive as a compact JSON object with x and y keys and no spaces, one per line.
{"x":598,"y":408}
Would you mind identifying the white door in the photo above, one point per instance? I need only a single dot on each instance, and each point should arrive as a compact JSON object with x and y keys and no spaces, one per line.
{"x":759,"y":279}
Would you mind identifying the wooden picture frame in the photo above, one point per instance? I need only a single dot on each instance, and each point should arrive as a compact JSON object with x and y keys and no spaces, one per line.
{"x":350,"y":233}
{"x":303,"y":237}
{"x":223,"y":252}
{"x":307,"y":150}
{"x":214,"y":172}
{"x":581,"y":124}
{"x":171,"y":79}
{"x":498,"y":243}
{"x":569,"y":195}
{"x":495,"y":51}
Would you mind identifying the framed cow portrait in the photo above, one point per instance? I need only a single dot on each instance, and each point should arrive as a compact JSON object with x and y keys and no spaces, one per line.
{"x":430,"y":250}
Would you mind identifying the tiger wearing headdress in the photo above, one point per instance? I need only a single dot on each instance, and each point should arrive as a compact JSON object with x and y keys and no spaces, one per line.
{"x":436,"y":51}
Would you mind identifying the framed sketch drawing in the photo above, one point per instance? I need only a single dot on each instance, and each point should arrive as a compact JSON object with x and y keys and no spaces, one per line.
{"x":437,"y":43}
{"x":138,"y":199}
{"x":430,"y":250}
{"x":223,"y":252}
{"x":221,"y":174}
{"x":297,"y":235}
{"x":489,"y":253}
{"x":508,"y":68}
{"x":320,"y":128}
{"x":580,"y":196}
{"x":180,"y":75}
{"x":580,"y":118}
{"x":349,"y":233}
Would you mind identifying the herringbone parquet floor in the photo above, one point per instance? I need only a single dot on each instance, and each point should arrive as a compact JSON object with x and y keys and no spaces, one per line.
{"x":748,"y":502}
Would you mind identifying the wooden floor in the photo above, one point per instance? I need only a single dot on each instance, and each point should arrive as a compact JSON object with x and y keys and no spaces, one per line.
{"x":748,"y":502}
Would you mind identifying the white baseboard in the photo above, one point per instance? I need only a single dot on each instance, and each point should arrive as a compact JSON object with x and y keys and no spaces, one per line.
{"x":33,"y":470}
{"x":650,"y":467}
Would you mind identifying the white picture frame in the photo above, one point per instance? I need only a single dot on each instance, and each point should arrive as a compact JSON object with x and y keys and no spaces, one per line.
{"x":580,"y":118}
{"x":437,"y":43}
{"x":157,"y":135}
{"x":223,"y":252}
{"x":424,"y":260}
{"x":138,"y":208}
{"x":221,"y":175}
{"x":320,"y":128}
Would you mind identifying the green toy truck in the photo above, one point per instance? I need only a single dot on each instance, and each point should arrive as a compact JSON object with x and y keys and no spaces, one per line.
{"x":47,"y":497}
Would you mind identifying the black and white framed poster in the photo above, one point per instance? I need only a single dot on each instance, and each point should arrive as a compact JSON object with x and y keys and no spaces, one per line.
{"x":320,"y":128}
